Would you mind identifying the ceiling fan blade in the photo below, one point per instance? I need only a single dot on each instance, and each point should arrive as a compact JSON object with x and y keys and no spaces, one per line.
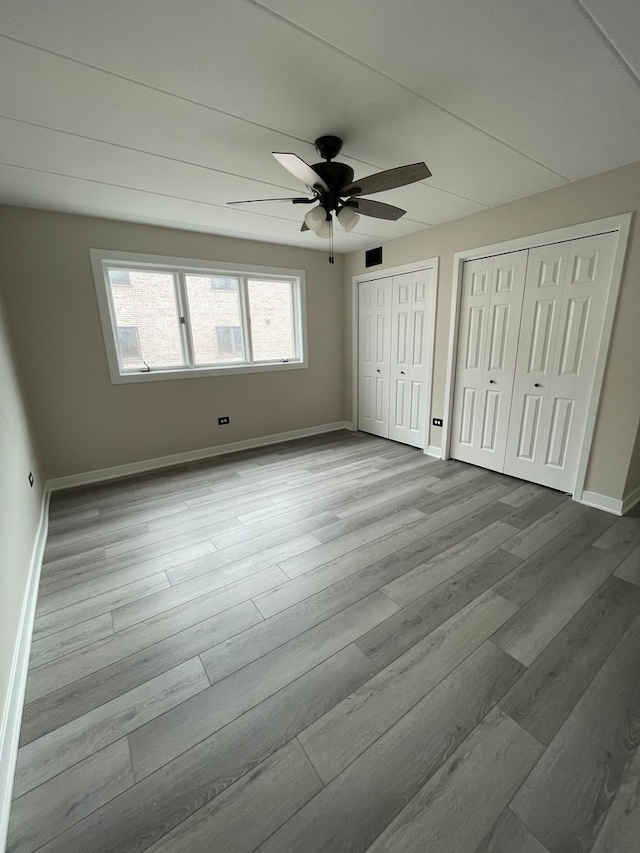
{"x":260,"y":200}
{"x":388,"y":180}
{"x":299,"y":169}
{"x":377,"y":209}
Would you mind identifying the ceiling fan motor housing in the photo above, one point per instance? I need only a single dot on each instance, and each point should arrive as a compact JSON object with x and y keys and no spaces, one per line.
{"x":336,"y":176}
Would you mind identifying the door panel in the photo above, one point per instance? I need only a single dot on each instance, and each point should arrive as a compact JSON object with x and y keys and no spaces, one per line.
{"x":506,"y":294}
{"x":479,"y":279}
{"x":374,"y":356}
{"x":574,"y":335}
{"x":558,"y":437}
{"x":475,"y":337}
{"x":399,"y":406}
{"x":467,"y":418}
{"x":416,"y":413}
{"x":581,"y":316}
{"x":544,"y":314}
{"x":380,"y":402}
{"x":563,"y":312}
{"x":489,"y":437}
{"x":534,"y":355}
{"x":366,"y":399}
{"x":492,"y":293}
{"x":419,"y":338}
{"x":411,"y":303}
{"x":498,"y":339}
{"x":528,"y":427}
{"x":401,"y":321}
{"x":474,"y":308}
{"x":402,"y":306}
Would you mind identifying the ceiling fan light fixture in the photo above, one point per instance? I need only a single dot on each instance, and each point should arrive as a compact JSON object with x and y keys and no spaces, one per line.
{"x":348,"y":218}
{"x":316,"y":220}
{"x":325,"y":229}
{"x":331,"y":184}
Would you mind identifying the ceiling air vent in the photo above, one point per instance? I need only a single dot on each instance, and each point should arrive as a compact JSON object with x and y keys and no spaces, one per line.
{"x":373,"y":257}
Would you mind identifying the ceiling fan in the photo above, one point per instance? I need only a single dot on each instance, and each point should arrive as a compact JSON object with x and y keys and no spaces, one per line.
{"x":332,"y":185}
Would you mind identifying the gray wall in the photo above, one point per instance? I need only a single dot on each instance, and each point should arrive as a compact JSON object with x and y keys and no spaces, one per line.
{"x":20,"y":507}
{"x":82,"y":421}
{"x":607,"y":194}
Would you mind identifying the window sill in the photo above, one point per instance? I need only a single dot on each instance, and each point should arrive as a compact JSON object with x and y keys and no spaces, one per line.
{"x":203,"y":372}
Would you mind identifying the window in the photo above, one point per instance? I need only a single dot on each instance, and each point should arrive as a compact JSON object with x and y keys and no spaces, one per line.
{"x":178,"y":317}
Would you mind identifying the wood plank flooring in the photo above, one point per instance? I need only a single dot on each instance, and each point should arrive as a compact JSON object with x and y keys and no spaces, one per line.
{"x":334,"y":644}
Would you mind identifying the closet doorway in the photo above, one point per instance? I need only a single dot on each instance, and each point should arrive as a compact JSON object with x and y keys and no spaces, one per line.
{"x":530,"y":338}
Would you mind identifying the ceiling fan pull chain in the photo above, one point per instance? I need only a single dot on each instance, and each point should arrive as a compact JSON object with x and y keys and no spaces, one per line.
{"x":331,"y":258}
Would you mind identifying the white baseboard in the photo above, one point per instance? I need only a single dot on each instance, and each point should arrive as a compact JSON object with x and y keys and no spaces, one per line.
{"x":432,"y":450}
{"x":12,"y":719}
{"x":145,"y":465}
{"x":630,"y":500}
{"x":603,"y":502}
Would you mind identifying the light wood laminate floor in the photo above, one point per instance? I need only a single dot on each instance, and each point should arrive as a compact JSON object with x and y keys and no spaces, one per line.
{"x":334,"y":644}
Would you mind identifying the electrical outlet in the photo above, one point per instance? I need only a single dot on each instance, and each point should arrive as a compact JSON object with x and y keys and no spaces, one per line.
{"x":223,"y":421}
{"x":437,"y":422}
{"x":31,"y":478}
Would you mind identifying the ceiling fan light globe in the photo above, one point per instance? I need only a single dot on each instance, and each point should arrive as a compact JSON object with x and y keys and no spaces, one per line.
{"x":348,"y":218}
{"x":314,"y":219}
{"x":325,"y":229}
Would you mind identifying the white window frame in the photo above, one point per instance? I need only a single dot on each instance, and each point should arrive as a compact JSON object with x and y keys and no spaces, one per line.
{"x":101,"y":259}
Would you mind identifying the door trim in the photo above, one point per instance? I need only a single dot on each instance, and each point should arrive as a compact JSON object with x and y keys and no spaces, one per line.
{"x":415,"y":266}
{"x":620,"y":224}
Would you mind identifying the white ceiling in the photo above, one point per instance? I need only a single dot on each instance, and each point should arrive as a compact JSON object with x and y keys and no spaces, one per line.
{"x":161,"y":111}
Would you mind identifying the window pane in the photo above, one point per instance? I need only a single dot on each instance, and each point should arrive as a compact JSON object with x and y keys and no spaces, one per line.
{"x":119,"y":277}
{"x":223,"y":283}
{"x":149,"y":304}
{"x":229,"y":340}
{"x":271,"y":320}
{"x":129,"y":343}
{"x":213,"y":309}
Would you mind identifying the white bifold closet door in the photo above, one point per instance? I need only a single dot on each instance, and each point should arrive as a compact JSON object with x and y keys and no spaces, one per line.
{"x":525,"y":367}
{"x":562,"y":316}
{"x":375,"y":356}
{"x":489,"y":324}
{"x":396,"y":315}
